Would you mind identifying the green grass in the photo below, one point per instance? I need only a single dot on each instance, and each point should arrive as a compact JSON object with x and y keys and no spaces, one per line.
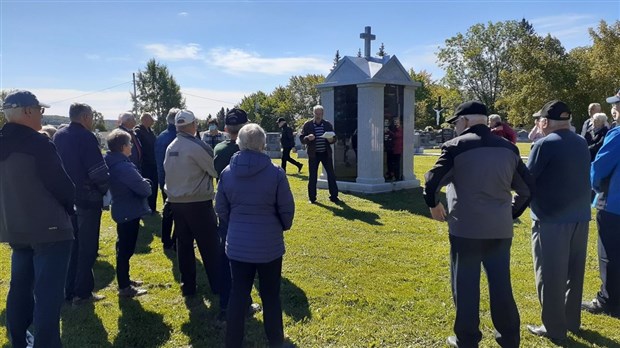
{"x":524,"y":149}
{"x":371,"y":273}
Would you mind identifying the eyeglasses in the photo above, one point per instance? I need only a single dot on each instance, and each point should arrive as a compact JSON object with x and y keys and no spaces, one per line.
{"x":41,"y":109}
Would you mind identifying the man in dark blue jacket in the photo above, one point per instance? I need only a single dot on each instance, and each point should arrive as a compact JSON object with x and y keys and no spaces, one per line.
{"x":287,"y":139}
{"x":147,"y":138}
{"x":81,"y":156}
{"x":161,"y":144}
{"x":36,"y":199}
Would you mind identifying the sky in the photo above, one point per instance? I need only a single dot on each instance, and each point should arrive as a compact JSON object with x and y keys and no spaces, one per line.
{"x":219,"y":51}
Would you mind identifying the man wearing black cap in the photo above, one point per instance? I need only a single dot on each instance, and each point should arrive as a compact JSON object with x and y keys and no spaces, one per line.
{"x":223,"y":151}
{"x":560,"y":210}
{"x":480,"y":169}
{"x":36,"y":199}
{"x":288,"y":143}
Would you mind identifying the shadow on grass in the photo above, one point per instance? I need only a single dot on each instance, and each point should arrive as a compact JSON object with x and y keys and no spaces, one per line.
{"x":202,"y":328}
{"x":82,"y":327}
{"x":294,"y":301}
{"x":347,"y":212}
{"x":104,"y":274}
{"x":140,"y":328}
{"x":411,"y":200}
{"x":151,"y":226}
{"x":592,"y":337}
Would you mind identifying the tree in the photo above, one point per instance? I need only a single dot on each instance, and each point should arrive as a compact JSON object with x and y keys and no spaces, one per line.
{"x":381,"y":52}
{"x":602,"y":61}
{"x":336,"y":59}
{"x":359,"y":53}
{"x":474,"y":61}
{"x":3,"y":94}
{"x":98,"y":121}
{"x":157,"y":92}
{"x":303,"y":94}
{"x":426,"y":99}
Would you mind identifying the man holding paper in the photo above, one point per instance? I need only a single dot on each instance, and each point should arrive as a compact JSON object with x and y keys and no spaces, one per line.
{"x":318,"y":135}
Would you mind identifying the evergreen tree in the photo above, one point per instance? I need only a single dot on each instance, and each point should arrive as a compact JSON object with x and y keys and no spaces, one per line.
{"x":336,"y":59}
{"x":359,"y":53}
{"x":381,"y":52}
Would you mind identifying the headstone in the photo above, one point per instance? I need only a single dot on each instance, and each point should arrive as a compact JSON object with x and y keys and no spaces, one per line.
{"x":272,"y":147}
{"x":523,"y":135}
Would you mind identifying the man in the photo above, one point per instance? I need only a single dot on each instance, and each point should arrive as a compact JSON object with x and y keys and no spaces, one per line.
{"x":605,"y":176}
{"x":615,"y":109}
{"x":164,"y":139}
{"x":593,"y":108}
{"x":213,"y":136}
{"x":480,"y":170}
{"x":560,"y":212}
{"x":288,"y":143}
{"x":41,"y":235}
{"x":81,"y":156}
{"x":189,"y":186}
{"x":319,"y":151}
{"x":147,"y":138}
{"x":127,"y":122}
{"x":502,"y":129}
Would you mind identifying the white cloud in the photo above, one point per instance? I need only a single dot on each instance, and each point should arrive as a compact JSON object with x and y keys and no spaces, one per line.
{"x":570,"y":29}
{"x":182,"y":14}
{"x":236,"y":61}
{"x":190,"y":51}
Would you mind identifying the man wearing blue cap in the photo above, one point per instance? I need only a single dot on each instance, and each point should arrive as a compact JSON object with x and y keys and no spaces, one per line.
{"x":36,"y":201}
{"x":480,"y":169}
{"x":560,"y":210}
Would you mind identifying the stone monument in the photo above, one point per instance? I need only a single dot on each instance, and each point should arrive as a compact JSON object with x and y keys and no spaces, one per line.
{"x":364,"y":98}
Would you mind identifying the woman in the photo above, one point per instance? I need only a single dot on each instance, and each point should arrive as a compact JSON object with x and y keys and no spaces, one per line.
{"x":129,"y":202}
{"x":255,"y":201}
{"x":596,"y":135}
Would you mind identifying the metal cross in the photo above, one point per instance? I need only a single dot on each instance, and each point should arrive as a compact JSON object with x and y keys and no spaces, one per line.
{"x":367,"y":36}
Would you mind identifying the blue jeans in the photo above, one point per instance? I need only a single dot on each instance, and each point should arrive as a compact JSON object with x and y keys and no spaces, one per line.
{"x":80,"y":279}
{"x":466,"y":256}
{"x":37,"y":271}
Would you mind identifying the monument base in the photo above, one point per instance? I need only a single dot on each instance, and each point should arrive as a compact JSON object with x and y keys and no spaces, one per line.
{"x":274,"y":154}
{"x":347,"y":186}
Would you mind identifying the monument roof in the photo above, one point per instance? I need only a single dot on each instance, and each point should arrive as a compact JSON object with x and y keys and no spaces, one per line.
{"x":361,"y":70}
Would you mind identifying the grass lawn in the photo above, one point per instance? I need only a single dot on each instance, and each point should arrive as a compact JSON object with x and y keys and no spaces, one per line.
{"x":371,"y":273}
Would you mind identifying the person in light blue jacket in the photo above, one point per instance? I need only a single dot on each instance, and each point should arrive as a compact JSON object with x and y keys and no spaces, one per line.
{"x":129,"y":202}
{"x":255,"y":200}
{"x":605,"y":177}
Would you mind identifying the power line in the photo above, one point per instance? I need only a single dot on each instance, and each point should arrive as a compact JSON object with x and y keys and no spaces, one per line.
{"x":217,"y":100}
{"x":89,"y":93}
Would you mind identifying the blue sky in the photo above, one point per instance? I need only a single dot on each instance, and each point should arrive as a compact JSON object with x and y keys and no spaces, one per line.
{"x":219,"y":51}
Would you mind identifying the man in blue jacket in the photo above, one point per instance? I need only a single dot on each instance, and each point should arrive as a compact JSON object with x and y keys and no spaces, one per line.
{"x":36,"y":199}
{"x":161,"y":144}
{"x":81,"y":156}
{"x":605,"y":179}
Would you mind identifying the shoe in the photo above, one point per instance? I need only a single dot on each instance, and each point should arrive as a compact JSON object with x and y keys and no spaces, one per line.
{"x":335,"y":200}
{"x":253,"y":309}
{"x":312,"y":201}
{"x":92,"y":298}
{"x":451,"y":341}
{"x":542,"y":332}
{"x":136,"y":283}
{"x":596,"y":307}
{"x":299,"y":168}
{"x":131,"y":291}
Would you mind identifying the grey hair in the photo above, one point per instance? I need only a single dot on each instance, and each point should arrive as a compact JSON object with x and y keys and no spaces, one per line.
{"x":317,"y":107}
{"x":13,"y":114}
{"x":126,"y":116}
{"x":252,"y":137}
{"x":49,"y":130}
{"x":495,"y":118}
{"x":145,"y":114}
{"x":600,"y":117}
{"x":77,"y":110}
{"x":185,"y":128}
{"x":557,"y":123}
{"x":171,"y":114}
{"x":592,"y":105}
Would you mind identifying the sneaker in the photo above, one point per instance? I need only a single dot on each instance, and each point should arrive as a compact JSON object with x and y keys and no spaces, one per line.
{"x":92,"y":298}
{"x":596,"y":307}
{"x":131,"y":291}
{"x":136,"y":283}
{"x":253,"y":309}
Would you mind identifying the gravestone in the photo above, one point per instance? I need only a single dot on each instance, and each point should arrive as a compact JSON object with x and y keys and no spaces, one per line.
{"x":272,"y":148}
{"x":365,"y":98}
{"x":523,"y":135}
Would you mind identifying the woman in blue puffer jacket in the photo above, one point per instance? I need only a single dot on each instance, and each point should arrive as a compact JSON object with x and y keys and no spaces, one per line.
{"x":256,"y":202}
{"x":129,"y":202}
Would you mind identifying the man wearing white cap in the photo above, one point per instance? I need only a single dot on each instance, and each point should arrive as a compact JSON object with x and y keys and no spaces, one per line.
{"x":189,"y":185}
{"x":614,"y":100}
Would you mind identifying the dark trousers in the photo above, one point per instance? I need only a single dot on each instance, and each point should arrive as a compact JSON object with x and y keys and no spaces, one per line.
{"x":80,"y":278}
{"x":38,"y":272}
{"x":196,"y":221}
{"x":150,"y":172}
{"x":286,"y":157}
{"x":225,"y":277}
{"x":466,"y":255}
{"x":609,"y":260}
{"x":125,"y":247}
{"x":167,"y":236}
{"x":269,"y":277}
{"x":326,"y":160}
{"x":393,"y":164}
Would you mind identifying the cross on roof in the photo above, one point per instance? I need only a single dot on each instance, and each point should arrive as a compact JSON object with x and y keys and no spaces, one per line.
{"x":367,"y":36}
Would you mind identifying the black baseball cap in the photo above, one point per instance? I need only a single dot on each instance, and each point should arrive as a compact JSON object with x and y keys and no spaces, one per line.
{"x":236,"y":117}
{"x":555,"y":110}
{"x":472,"y":107}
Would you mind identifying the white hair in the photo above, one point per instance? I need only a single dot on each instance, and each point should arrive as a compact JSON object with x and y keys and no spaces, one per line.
{"x":126,"y":116}
{"x":13,"y":114}
{"x":317,"y":107}
{"x":252,"y":137}
{"x":557,"y":124}
{"x":495,"y":118}
{"x":599,"y":117}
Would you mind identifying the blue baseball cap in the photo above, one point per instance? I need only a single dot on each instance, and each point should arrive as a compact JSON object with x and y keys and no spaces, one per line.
{"x":21,"y":99}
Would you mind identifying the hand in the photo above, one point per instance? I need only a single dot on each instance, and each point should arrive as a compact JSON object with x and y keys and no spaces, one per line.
{"x":438,"y":212}
{"x":310,"y":137}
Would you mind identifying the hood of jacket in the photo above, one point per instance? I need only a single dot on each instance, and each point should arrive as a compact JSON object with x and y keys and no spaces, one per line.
{"x":112,"y":158}
{"x":248,"y":163}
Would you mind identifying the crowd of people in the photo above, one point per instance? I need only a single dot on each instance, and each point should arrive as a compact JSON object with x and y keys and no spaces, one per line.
{"x":223,"y":194}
